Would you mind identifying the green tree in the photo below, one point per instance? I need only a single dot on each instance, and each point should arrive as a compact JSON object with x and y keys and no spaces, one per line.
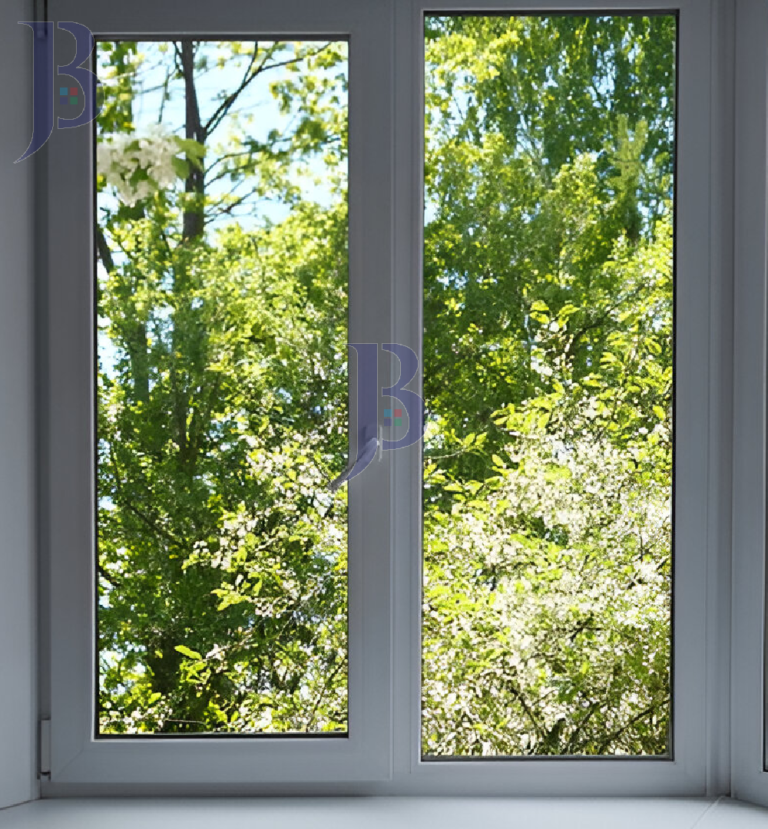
{"x":548,"y":281}
{"x":222,"y":565}
{"x":548,"y":359}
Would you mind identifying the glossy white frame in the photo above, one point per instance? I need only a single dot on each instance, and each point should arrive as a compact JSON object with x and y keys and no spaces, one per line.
{"x":77,"y":757}
{"x":386,"y":72}
{"x":701,"y":378}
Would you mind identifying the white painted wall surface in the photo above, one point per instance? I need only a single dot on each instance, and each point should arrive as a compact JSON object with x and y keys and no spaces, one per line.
{"x":17,"y":495}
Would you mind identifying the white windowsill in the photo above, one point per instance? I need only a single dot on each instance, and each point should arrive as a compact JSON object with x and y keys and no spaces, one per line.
{"x":399,"y":813}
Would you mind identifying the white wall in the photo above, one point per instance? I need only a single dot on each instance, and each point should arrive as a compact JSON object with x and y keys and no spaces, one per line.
{"x":17,"y":495}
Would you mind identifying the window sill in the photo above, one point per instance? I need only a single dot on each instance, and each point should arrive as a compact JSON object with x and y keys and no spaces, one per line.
{"x":340,"y":813}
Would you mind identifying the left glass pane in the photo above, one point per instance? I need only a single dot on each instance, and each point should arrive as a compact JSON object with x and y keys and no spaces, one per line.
{"x":221,"y":377}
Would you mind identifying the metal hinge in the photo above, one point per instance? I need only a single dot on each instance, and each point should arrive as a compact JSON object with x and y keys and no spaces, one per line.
{"x":44,"y":759}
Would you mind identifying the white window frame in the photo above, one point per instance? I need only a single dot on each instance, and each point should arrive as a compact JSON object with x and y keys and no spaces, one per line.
{"x":76,"y":756}
{"x":699,"y":387}
{"x":748,"y":657}
{"x":383,"y":752}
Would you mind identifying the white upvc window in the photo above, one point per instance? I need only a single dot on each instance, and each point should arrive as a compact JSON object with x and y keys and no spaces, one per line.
{"x":748,"y":660}
{"x":381,"y":737}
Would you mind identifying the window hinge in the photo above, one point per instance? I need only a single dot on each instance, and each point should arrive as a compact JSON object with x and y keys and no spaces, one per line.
{"x":45,"y":749}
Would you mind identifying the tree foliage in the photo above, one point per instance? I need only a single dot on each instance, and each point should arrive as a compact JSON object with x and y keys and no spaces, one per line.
{"x":548,"y":364}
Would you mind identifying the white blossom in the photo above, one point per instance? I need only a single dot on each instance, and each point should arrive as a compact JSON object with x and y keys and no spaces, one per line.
{"x":119,"y":156}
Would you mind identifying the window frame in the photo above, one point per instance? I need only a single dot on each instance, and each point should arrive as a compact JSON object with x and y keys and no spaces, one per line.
{"x":750,"y":515}
{"x":76,"y":755}
{"x":699,"y":383}
{"x":386,"y":638}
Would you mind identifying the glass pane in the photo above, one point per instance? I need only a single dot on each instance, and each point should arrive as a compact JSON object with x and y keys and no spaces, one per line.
{"x":222,"y":387}
{"x":548,"y":352}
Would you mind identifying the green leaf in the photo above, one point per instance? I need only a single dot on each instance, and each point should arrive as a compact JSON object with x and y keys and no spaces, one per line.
{"x":188,"y":652}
